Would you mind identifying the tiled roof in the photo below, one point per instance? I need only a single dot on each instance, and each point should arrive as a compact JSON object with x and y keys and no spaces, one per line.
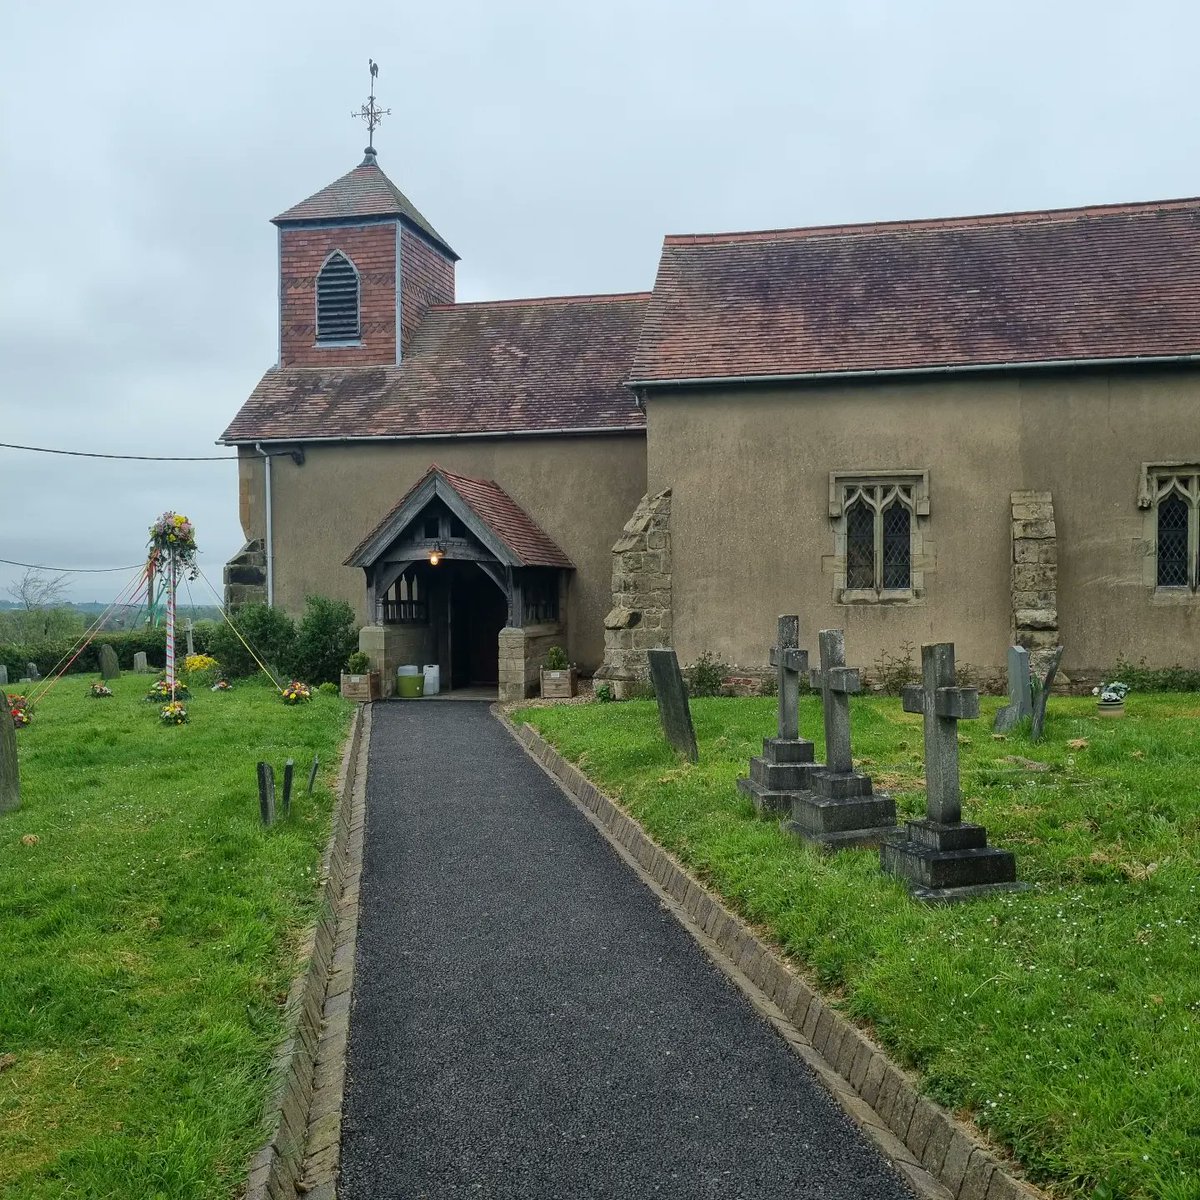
{"x":1119,"y":281}
{"x":495,"y":508}
{"x":517,"y":366}
{"x":364,"y":192}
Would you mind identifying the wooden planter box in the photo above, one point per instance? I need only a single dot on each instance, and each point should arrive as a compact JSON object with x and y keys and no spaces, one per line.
{"x":362,"y":688}
{"x":559,"y":685}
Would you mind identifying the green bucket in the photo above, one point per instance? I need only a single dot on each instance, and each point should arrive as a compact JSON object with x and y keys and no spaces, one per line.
{"x":410,"y":687}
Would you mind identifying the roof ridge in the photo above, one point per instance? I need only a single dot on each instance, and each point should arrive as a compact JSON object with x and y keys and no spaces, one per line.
{"x":1048,"y":216}
{"x":542,"y":300}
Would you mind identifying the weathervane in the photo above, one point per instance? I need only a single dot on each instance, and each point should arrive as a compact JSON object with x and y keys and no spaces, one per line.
{"x":371,"y":112}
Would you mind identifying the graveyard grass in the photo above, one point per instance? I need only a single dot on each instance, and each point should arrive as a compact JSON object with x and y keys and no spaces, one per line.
{"x":1065,"y":1020}
{"x":150,"y":936}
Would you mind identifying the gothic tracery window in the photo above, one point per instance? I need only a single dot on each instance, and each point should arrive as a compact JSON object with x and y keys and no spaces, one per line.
{"x":1177,"y":526}
{"x":878,"y":536}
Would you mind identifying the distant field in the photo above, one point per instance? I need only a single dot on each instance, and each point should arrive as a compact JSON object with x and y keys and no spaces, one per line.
{"x":1063,"y":1020}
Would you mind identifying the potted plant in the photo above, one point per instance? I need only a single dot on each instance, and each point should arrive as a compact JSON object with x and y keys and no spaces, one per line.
{"x":359,"y":682}
{"x":560,"y":680}
{"x":1111,"y":699}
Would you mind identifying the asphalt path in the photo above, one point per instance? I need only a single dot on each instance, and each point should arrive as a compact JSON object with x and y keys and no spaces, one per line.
{"x":528,"y":1022}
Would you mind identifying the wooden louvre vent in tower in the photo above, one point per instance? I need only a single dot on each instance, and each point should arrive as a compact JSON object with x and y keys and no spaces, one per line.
{"x":337,"y":300}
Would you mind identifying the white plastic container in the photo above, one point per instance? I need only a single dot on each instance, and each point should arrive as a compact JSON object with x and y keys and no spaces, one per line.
{"x":433,"y":679}
{"x":408,"y":669}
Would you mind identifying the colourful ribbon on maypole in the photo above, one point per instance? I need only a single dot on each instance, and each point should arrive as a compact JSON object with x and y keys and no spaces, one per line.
{"x":172,"y":553}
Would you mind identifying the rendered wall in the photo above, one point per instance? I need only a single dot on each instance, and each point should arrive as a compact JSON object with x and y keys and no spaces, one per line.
{"x":752,"y":536}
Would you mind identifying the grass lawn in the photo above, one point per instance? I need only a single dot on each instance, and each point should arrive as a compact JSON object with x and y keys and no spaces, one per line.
{"x":1066,"y":1020}
{"x":149,"y":936}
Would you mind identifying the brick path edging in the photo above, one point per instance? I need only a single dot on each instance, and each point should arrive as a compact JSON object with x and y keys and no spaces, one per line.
{"x":939,"y":1156}
{"x":304,"y":1109}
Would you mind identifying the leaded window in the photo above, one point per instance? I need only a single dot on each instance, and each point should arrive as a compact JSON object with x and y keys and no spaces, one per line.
{"x":1177,"y":528}
{"x":337,"y":300}
{"x":879,"y":533}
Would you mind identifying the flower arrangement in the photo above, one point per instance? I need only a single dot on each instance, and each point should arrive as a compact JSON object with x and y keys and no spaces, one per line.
{"x":100,"y":691}
{"x":200,"y":662}
{"x":297,"y":693}
{"x":174,"y":534}
{"x":160,"y":689}
{"x":173,"y":714}
{"x":222,"y":685}
{"x":1111,"y":693}
{"x":22,"y":714}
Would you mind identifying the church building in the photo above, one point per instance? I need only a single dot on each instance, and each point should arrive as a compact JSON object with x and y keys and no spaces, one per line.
{"x":980,"y":430}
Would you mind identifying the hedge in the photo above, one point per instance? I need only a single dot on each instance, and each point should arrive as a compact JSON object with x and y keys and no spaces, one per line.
{"x":46,"y":655}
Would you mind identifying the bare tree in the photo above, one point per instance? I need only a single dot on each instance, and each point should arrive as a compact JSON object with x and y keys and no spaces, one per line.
{"x":35,"y":590}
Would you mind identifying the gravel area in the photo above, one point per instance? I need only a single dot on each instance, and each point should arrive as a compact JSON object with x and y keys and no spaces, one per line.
{"x":528,"y":1022}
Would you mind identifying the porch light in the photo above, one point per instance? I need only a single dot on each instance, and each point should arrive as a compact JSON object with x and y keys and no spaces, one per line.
{"x":436,"y":554}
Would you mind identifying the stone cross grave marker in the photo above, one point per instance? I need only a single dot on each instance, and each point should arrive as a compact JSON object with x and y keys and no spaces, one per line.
{"x":10,"y":776}
{"x":191,"y":646}
{"x":673,"y":710}
{"x":140,"y":665}
{"x":787,"y":759}
{"x":1020,"y":691}
{"x":34,"y":676}
{"x":1043,"y":695}
{"x":312,"y":774}
{"x":109,"y":667}
{"x":266,"y":793}
{"x":942,"y":857}
{"x":840,"y":807}
{"x":289,"y":768}
{"x":3,"y":675}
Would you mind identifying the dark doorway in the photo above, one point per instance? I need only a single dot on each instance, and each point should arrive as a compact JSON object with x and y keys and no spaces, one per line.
{"x":478,"y":611}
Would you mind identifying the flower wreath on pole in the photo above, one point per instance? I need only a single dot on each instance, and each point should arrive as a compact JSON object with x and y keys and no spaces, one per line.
{"x":172,"y":553}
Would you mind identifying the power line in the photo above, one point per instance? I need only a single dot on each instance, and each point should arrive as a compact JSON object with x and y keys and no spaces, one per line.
{"x":143,"y":457}
{"x":71,"y":570}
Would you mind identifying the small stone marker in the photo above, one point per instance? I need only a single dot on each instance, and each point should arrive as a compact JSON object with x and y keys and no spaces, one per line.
{"x":140,"y":665}
{"x":266,"y":793}
{"x":673,"y":710}
{"x":33,"y":672}
{"x":3,"y":675}
{"x":787,"y":759}
{"x":191,"y":646}
{"x":942,"y":857}
{"x":840,"y":807}
{"x":289,"y":768}
{"x":1043,"y":695}
{"x":312,"y":774}
{"x":109,"y":667}
{"x":10,"y":776}
{"x":1020,"y":691}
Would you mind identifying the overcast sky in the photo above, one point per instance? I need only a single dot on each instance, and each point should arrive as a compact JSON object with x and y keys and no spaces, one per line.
{"x":144,"y":147}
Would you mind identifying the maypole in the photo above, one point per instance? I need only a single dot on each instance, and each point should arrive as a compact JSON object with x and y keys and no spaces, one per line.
{"x":172,"y":553}
{"x":172,"y":569}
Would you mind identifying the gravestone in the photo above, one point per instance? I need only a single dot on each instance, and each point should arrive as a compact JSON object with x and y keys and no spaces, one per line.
{"x":10,"y":776}
{"x":787,"y":759}
{"x":109,"y":667}
{"x":1020,"y":691}
{"x":942,"y":857}
{"x":191,"y":646}
{"x":673,"y":710}
{"x":289,"y":768}
{"x":140,"y":665}
{"x":32,"y":670}
{"x":312,"y":774}
{"x":1043,"y":695}
{"x":266,"y":793}
{"x":3,"y":675}
{"x":840,"y":808}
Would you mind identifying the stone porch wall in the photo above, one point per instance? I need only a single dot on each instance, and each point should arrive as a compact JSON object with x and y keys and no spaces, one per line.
{"x":391,"y":646}
{"x":640,"y":618}
{"x":522,"y":655}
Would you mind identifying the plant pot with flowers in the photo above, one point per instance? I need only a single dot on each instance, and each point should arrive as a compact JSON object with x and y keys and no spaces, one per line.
{"x":359,"y":682}
{"x":1111,"y":699}
{"x":560,"y":679}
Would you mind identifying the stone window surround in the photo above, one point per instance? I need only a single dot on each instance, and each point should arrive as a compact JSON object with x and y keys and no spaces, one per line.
{"x":840,"y":482}
{"x":1148,"y":497}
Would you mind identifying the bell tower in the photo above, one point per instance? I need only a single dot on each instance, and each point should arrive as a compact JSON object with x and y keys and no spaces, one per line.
{"x":358,"y":267}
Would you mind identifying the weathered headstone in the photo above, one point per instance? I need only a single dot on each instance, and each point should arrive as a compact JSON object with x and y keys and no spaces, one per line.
{"x":1043,"y":695}
{"x":840,"y":807}
{"x":673,"y":710}
{"x":140,"y":665}
{"x":942,"y":857}
{"x":10,"y":776}
{"x":787,"y":759}
{"x":312,"y":774}
{"x":191,"y":646}
{"x":266,"y":793}
{"x":31,"y":668}
{"x":3,"y":674}
{"x":109,"y":667}
{"x":1020,"y":691}
{"x":289,"y":768}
